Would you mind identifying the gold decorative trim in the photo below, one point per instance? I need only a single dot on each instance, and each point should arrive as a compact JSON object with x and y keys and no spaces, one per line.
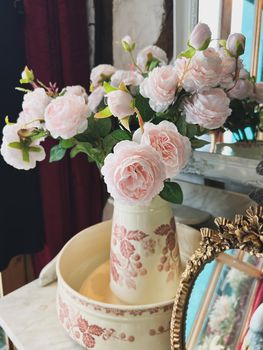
{"x":244,"y":232}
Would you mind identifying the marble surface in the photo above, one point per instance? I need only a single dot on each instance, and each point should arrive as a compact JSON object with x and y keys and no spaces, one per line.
{"x":28,"y":316}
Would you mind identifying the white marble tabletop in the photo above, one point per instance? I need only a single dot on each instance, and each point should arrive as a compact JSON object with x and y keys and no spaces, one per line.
{"x":28,"y":316}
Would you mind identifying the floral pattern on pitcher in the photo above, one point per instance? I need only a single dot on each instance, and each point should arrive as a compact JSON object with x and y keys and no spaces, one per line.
{"x":170,"y":251}
{"x":128,"y":262}
{"x":84,"y":332}
{"x":128,"y":266}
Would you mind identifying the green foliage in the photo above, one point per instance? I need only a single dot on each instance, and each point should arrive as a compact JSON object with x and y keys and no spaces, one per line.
{"x":142,"y":104}
{"x":112,"y":139}
{"x":57,"y":153}
{"x":94,"y":154}
{"x":172,"y":192}
{"x":189,"y":53}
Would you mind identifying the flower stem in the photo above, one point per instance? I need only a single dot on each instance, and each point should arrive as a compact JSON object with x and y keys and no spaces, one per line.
{"x":134,"y":63}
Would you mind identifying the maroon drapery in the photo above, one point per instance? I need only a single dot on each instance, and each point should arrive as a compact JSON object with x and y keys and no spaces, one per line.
{"x":57,"y":50}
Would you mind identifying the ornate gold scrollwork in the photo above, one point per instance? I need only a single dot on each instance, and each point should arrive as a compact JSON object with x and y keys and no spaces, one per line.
{"x":244,"y":232}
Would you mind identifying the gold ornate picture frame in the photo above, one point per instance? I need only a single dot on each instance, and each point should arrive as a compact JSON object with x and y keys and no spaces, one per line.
{"x":244,"y":233}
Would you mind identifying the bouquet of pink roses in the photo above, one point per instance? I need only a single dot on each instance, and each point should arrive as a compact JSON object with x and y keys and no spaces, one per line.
{"x":138,"y":125}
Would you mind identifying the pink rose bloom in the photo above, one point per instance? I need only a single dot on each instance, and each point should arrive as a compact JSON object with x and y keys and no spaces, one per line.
{"x":27,"y":122}
{"x":204,"y":71}
{"x":78,"y":91}
{"x":34,"y":104}
{"x":181,"y":66}
{"x":228,"y":69}
{"x":95,"y":98}
{"x":120,"y":103}
{"x":14,"y":156}
{"x":127,"y":77}
{"x":258,"y":95}
{"x":66,"y":116}
{"x":243,"y":73}
{"x":173,"y":148}
{"x":100,"y":73}
{"x":160,"y":87}
{"x":208,"y":109}
{"x":241,"y":90}
{"x":150,"y":51}
{"x":134,"y":173}
{"x":200,"y":36}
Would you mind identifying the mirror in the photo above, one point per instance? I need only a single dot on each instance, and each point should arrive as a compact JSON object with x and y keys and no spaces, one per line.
{"x":237,"y":16}
{"x":217,"y":306}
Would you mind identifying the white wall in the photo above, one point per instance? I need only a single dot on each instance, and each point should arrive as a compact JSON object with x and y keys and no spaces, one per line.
{"x":141,"y":19}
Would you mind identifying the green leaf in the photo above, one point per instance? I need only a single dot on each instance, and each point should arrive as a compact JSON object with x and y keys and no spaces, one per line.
{"x":108,"y":88}
{"x":142,"y":104}
{"x":103,"y":126}
{"x":222,"y":43}
{"x":105,"y":113}
{"x":25,"y":153}
{"x":197,"y":143}
{"x":182,"y":125}
{"x":172,"y":192}
{"x":112,"y":139}
{"x":189,"y":53}
{"x":240,"y":48}
{"x":34,"y":149}
{"x":121,"y":135}
{"x":16,"y":145}
{"x":205,"y":44}
{"x":38,"y":134}
{"x":94,"y":154}
{"x":67,"y":143}
{"x":154,"y":63}
{"x":191,"y":130}
{"x":108,"y":144}
{"x":56,"y":153}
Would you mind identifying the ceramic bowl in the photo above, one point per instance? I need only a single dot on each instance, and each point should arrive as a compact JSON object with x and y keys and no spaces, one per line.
{"x":99,"y":325}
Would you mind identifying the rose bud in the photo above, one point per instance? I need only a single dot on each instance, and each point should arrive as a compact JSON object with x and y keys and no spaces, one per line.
{"x":200,"y":37}
{"x":120,"y":103}
{"x":236,"y":44}
{"x":127,"y":43}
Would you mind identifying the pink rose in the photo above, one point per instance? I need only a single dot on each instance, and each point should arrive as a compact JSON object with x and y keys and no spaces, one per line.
{"x":200,"y":36}
{"x":150,"y":52}
{"x":78,"y":91}
{"x":235,"y":44}
{"x":120,"y":103}
{"x":160,"y":87}
{"x":27,"y":122}
{"x":173,"y":148}
{"x":14,"y":156}
{"x":241,"y":90}
{"x":203,"y":71}
{"x":101,"y":73}
{"x":208,"y":109}
{"x":66,"y":116}
{"x":34,"y":104}
{"x":258,"y":95}
{"x":228,"y":69}
{"x":127,"y":77}
{"x":134,"y":173}
{"x":181,"y":66}
{"x":95,"y":98}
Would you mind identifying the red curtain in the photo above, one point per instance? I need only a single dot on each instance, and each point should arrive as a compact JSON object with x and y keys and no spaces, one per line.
{"x":57,"y":50}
